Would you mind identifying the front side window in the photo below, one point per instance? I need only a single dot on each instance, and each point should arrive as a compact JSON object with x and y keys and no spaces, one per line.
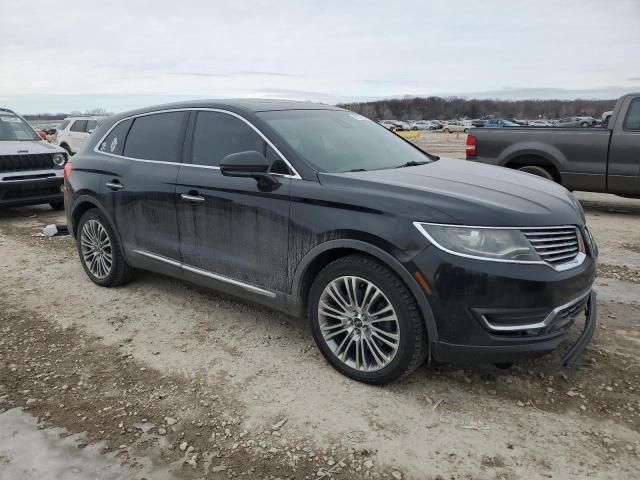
{"x":217,"y":135}
{"x":155,"y":137}
{"x":632,"y":119}
{"x":79,"y":126}
{"x":341,"y":141}
{"x":114,"y":142}
{"x":63,"y":125}
{"x":12,"y":127}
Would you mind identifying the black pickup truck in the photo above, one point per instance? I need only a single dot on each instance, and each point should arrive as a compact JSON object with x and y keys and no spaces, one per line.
{"x":600,"y":159}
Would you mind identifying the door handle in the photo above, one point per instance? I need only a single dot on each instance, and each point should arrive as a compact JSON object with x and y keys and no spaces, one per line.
{"x":115,"y":185}
{"x":192,"y":198}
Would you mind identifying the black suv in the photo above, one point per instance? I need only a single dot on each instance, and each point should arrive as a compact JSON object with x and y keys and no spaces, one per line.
{"x":395,"y":255}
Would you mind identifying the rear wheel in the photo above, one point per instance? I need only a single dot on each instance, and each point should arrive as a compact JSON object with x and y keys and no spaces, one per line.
{"x":365,"y":321}
{"x":100,"y":251}
{"x":539,"y":171}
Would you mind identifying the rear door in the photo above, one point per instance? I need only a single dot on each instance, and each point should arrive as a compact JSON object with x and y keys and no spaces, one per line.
{"x":624,"y":152}
{"x":139,"y":185}
{"x":231,"y":232}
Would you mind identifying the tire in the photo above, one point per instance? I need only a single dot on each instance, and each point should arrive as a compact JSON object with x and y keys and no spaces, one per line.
{"x":466,"y":130}
{"x":57,"y":205}
{"x":446,"y":130}
{"x":119,"y":272}
{"x":539,"y":171}
{"x":584,"y":124}
{"x":411,"y":341}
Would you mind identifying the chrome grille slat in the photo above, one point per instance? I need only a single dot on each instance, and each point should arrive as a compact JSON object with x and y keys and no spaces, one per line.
{"x":554,"y":245}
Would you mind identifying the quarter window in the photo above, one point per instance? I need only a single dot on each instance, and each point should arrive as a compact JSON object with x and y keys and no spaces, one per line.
{"x":114,"y":142}
{"x":217,"y":135}
{"x":91,"y":125}
{"x":155,"y":137}
{"x":632,"y":119}
{"x":79,"y":126}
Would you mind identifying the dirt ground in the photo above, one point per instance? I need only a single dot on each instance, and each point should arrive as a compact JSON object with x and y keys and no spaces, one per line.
{"x":162,"y":379}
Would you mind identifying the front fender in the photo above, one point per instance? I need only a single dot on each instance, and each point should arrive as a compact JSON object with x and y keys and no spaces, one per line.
{"x":387,"y":259}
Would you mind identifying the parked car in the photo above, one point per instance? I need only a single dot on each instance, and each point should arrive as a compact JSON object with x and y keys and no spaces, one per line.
{"x":540,"y":123}
{"x":478,"y":123}
{"x":597,"y":160}
{"x":389,"y":125}
{"x":75,"y":131}
{"x":423,"y":125}
{"x":393,"y":254}
{"x":452,"y":127}
{"x":572,"y":122}
{"x":499,"y":123}
{"x":30,"y":168}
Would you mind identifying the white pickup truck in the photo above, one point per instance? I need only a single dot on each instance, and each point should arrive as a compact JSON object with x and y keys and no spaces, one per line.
{"x":31,"y":170}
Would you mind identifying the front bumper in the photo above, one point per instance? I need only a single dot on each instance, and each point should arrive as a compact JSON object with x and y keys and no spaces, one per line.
{"x":490,"y":312}
{"x":30,"y":188}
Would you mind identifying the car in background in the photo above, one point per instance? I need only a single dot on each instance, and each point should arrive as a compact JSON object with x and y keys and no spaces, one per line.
{"x":499,"y":123}
{"x":540,"y":123}
{"x":31,"y":169}
{"x":75,"y":131}
{"x":389,"y":125}
{"x":423,"y":125}
{"x":573,"y":122}
{"x":455,"y":126}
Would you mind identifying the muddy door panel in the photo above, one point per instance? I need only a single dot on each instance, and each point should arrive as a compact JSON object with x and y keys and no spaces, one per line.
{"x":229,"y":228}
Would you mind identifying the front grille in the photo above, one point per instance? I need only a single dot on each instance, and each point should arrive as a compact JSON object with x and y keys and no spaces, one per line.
{"x":555,"y":245}
{"x":19,"y":163}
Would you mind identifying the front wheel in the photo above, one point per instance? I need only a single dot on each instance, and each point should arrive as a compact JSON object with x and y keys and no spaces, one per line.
{"x":100,"y":251}
{"x":365,"y":321}
{"x":57,"y":205}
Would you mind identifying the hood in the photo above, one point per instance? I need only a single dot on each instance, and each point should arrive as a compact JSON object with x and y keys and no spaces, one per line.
{"x":13,"y":147}
{"x":469,"y":193}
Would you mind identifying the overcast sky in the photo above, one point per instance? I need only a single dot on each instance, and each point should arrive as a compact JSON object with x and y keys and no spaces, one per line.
{"x":76,"y":55}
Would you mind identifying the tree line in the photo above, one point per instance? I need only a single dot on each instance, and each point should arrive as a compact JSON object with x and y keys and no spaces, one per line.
{"x":439,"y":108}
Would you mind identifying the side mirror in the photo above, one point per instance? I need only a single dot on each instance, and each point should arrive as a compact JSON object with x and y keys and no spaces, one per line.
{"x":249,"y":164}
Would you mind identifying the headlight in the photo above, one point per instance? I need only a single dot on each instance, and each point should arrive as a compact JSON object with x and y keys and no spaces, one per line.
{"x":499,"y":244}
{"x":59,"y":159}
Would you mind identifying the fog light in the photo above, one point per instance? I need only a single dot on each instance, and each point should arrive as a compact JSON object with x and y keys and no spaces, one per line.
{"x":59,"y":159}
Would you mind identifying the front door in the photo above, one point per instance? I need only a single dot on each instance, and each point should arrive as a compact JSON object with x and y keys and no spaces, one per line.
{"x":139,"y":183}
{"x":230,"y":231}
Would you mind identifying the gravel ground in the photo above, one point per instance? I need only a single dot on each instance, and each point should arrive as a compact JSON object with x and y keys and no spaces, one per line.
{"x":162,"y":379}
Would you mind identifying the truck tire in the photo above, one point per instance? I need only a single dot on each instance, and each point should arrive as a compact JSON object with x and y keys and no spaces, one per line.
{"x":584,"y":124}
{"x":539,"y":171}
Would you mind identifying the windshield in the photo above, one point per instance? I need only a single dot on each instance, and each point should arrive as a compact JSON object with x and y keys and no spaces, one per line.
{"x":12,"y":127}
{"x":340,"y":141}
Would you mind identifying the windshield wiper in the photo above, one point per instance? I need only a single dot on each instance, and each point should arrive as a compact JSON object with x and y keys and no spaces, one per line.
{"x":358,"y":170}
{"x":412,"y":164}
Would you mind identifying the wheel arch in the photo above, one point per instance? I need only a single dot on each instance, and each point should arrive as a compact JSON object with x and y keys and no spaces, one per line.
{"x":535,"y":158}
{"x":321,"y":255}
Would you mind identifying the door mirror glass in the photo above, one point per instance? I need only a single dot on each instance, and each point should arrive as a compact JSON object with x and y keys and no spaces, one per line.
{"x":249,"y":164}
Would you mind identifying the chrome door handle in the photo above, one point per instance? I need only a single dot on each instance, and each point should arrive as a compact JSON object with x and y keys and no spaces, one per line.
{"x":115,"y":185}
{"x":192,"y":198}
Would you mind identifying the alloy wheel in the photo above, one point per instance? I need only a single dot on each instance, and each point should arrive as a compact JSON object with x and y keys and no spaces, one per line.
{"x":358,"y":323}
{"x":96,"y":249}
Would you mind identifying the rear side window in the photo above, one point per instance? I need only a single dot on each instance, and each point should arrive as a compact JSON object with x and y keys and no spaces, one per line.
{"x":79,"y":126}
{"x":114,"y":142}
{"x":155,"y":137}
{"x":217,"y":135}
{"x":632,"y":119}
{"x":91,"y":125}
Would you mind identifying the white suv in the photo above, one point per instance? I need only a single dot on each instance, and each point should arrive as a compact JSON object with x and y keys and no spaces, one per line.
{"x":75,"y":131}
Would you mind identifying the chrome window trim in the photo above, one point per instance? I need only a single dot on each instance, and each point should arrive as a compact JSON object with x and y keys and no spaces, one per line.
{"x":96,"y":149}
{"x":206,"y":273}
{"x":533,"y":326}
{"x":578,"y":260}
